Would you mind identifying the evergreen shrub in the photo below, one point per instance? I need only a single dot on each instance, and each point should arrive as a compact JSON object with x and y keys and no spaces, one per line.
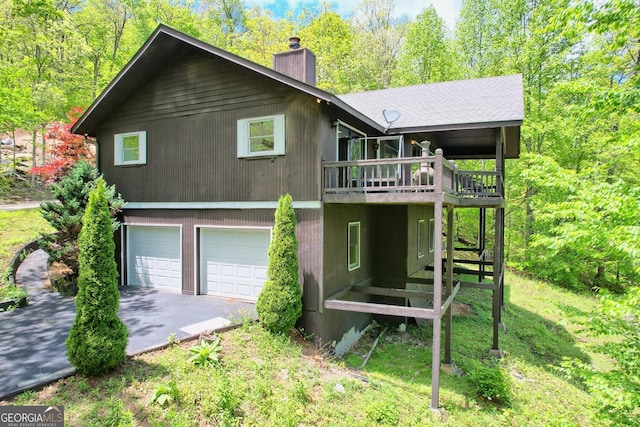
{"x":98,"y":338}
{"x":280,"y":302}
{"x":65,"y":215}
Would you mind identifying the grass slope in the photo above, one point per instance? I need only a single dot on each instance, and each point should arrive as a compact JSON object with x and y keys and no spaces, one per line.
{"x":16,"y":229}
{"x":278,"y":381}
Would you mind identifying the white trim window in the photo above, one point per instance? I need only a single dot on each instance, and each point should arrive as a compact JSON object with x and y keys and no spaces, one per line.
{"x":261,"y":136}
{"x":130,"y":148}
{"x":422,"y":237}
{"x":432,"y":235}
{"x":353,"y":243}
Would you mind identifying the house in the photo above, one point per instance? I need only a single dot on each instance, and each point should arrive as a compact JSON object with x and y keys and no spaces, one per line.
{"x":201,"y":143}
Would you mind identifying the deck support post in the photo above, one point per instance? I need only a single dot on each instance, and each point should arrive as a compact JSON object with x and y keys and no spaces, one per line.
{"x":437,"y":304}
{"x":449,"y":281}
{"x":498,"y":249}
{"x":482,"y":238}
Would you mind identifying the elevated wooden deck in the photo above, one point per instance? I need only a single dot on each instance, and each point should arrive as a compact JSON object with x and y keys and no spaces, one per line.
{"x":417,"y":180}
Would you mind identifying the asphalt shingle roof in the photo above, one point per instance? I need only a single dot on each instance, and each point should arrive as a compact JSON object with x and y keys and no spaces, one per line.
{"x":486,"y":100}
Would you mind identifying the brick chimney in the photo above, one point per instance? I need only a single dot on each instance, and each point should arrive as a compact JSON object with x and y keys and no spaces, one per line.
{"x":297,"y":62}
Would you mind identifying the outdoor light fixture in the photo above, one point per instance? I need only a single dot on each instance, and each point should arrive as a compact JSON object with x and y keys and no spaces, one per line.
{"x":390,"y":116}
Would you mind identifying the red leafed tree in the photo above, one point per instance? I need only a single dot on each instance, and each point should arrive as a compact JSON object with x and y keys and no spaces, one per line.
{"x":66,"y":149}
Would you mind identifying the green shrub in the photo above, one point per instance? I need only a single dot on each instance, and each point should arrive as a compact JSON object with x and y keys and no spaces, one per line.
{"x":492,"y":384}
{"x":279,"y":304}
{"x":163,"y":394}
{"x":205,"y":353}
{"x":384,"y":413}
{"x":615,"y":392}
{"x":98,"y":338}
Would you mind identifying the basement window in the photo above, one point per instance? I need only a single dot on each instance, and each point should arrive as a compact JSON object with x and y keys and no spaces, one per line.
{"x":130,"y":148}
{"x":353,"y":241}
{"x":261,"y":136}
{"x":422,"y":237}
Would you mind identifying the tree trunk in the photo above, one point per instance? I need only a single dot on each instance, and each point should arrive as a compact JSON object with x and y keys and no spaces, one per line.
{"x":15,"y":143}
{"x":599,"y":274}
{"x":44,"y":147}
{"x":529,"y":219}
{"x":34,"y":160}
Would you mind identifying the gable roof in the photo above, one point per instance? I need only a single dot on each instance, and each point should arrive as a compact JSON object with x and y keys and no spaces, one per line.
{"x":467,"y":104}
{"x":164,"y":46}
{"x":487,"y":102}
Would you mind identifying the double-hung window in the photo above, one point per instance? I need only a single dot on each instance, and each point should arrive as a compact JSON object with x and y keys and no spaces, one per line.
{"x":130,"y":148}
{"x":353,"y":242}
{"x":261,"y":136}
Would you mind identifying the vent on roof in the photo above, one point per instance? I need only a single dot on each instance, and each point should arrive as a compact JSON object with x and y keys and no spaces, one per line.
{"x":297,"y":62}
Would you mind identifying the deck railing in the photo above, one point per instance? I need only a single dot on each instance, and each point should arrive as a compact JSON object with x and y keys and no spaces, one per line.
{"x":408,"y":174}
{"x":478,"y":183}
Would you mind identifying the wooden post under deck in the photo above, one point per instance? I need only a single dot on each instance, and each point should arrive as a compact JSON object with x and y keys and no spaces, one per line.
{"x":437,"y":287}
{"x":482,"y":229}
{"x":498,"y":265}
{"x":449,"y":311}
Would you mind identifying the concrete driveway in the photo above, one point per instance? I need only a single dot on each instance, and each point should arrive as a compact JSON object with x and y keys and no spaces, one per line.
{"x":33,"y":338}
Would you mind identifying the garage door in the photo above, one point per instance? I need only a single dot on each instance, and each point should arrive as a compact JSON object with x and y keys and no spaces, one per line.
{"x":233,"y":262}
{"x":154,"y":257}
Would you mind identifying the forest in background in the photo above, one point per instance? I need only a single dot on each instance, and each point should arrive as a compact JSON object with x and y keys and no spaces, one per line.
{"x":573,"y":197}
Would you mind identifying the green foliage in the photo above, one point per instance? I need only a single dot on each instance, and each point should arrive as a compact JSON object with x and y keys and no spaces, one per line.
{"x":383,"y":413}
{"x":616,"y":391}
{"x":10,"y":292}
{"x":98,"y":338}
{"x":279,"y":303}
{"x":492,"y":384}
{"x":65,"y":215}
{"x":428,"y":54}
{"x":164,"y":394}
{"x":206,"y":353}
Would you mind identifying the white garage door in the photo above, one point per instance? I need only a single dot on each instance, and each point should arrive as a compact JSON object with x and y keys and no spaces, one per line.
{"x":154,"y":257}
{"x":233,"y":262}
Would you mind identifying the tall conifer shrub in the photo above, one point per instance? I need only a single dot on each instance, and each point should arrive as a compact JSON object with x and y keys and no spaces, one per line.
{"x":279,"y":304}
{"x":98,"y":338}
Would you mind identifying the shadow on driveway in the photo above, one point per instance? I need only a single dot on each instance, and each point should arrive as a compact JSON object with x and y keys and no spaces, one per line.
{"x":33,"y":338}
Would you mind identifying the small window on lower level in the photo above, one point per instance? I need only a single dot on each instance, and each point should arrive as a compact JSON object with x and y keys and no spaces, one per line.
{"x":422,"y":237}
{"x":353,"y":242}
{"x":130,"y":148}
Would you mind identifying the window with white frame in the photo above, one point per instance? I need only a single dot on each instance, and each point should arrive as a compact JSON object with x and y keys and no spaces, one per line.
{"x":130,"y":148}
{"x":422,"y":237}
{"x":354,"y":245}
{"x":261,"y":136}
{"x":432,"y":235}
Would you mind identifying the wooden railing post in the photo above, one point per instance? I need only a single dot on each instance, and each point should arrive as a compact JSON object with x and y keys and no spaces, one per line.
{"x":438,"y":171}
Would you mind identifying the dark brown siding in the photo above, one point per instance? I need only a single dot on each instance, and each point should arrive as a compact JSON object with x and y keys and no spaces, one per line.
{"x":190,"y":114}
{"x":309,"y":250}
{"x":390,"y":243}
{"x":332,"y":324}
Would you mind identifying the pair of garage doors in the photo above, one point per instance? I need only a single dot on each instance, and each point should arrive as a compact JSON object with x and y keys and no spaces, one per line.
{"x":232,"y":262}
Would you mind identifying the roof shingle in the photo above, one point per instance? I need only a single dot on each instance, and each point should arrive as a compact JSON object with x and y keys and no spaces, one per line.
{"x":486,"y":100}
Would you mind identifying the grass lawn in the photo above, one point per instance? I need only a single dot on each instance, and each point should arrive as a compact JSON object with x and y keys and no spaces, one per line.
{"x":264,"y":380}
{"x":16,"y":229}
